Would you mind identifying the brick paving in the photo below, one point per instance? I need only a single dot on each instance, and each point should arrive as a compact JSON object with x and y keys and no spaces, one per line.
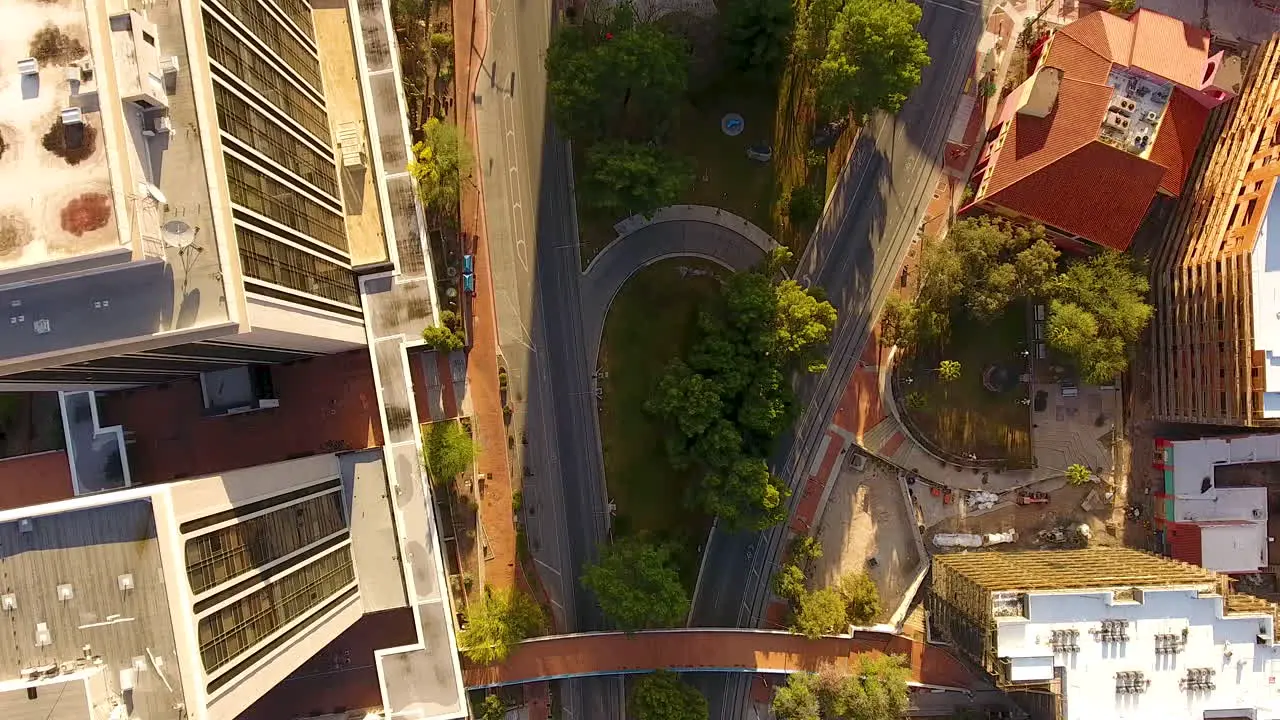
{"x":342,"y":675}
{"x":482,"y":367}
{"x":569,"y":655}
{"x":860,"y":408}
{"x":35,"y":479}
{"x":811,"y":501}
{"x":327,"y":403}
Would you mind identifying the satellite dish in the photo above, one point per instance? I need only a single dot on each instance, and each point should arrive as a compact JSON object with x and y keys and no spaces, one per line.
{"x":177,"y":234}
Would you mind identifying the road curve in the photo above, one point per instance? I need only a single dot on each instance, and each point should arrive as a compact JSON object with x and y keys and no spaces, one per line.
{"x":661,"y":240}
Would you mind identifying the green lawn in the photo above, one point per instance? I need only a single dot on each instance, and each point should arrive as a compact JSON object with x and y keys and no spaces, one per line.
{"x":651,"y":322}
{"x":963,"y":416}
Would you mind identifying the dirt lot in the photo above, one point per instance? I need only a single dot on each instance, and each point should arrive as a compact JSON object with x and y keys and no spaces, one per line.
{"x":866,"y":517}
{"x":1064,"y":508}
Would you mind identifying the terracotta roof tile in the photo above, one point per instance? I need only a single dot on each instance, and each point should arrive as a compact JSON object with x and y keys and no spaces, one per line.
{"x":1033,"y":143}
{"x":1169,"y":48}
{"x":1077,"y":60}
{"x":1177,"y":139}
{"x":1105,"y":34}
{"x":1098,"y":192}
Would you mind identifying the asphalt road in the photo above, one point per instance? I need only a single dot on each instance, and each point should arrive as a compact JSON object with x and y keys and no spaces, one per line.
{"x":875,"y":211}
{"x":532,"y":230}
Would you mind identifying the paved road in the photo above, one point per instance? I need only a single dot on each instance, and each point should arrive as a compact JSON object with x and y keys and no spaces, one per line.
{"x":855,"y":255}
{"x":533,"y":239}
{"x":610,"y":269}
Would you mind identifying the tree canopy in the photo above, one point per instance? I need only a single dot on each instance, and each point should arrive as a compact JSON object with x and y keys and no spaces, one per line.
{"x":624,"y":178}
{"x":491,"y":708}
{"x":638,"y":585}
{"x":875,"y":688}
{"x":757,"y":34}
{"x":441,"y":161}
{"x":448,"y":450}
{"x":985,"y":263}
{"x":1078,"y":474}
{"x":662,"y":695}
{"x":821,"y":612}
{"x":729,"y":399}
{"x":1099,"y":310}
{"x":869,"y":54}
{"x":618,"y":72}
{"x":861,"y":598}
{"x":496,"y":622}
{"x":442,"y":339}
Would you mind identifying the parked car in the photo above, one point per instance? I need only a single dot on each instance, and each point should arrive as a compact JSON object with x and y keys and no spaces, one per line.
{"x":1069,"y":388}
{"x":469,"y":284}
{"x":468,"y":264}
{"x":1032,"y":498}
{"x":760,"y":153}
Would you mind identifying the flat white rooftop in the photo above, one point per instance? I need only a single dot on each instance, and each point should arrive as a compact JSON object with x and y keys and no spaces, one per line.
{"x":57,"y":202}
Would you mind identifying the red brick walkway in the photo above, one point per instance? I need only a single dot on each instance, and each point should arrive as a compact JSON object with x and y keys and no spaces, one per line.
{"x":469,"y":28}
{"x":569,"y":655}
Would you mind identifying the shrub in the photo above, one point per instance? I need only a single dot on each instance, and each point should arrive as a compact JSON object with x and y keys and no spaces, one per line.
{"x":51,"y":45}
{"x":804,"y":206}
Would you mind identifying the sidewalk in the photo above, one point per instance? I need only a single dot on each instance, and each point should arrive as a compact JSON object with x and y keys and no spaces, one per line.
{"x":490,"y":429}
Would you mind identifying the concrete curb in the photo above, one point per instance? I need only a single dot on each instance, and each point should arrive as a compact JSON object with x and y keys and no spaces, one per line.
{"x":695,"y":213}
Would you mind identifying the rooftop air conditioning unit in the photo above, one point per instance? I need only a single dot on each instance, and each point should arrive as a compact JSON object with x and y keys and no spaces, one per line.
{"x":1152,"y":116}
{"x":29,"y":66}
{"x":170,"y":65}
{"x":72,"y":116}
{"x":1128,"y":105}
{"x":1117,"y":121}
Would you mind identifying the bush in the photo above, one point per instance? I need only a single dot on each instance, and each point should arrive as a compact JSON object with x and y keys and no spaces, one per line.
{"x":442,"y":42}
{"x":861,"y":598}
{"x":804,"y":206}
{"x":51,"y":45}
{"x":448,"y":450}
{"x":442,"y":339}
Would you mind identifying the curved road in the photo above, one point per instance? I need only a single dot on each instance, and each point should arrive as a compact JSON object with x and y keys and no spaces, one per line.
{"x":592,"y":654}
{"x":626,"y":256}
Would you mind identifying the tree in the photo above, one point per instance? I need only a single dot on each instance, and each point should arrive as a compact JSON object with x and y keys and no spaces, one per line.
{"x":689,"y":398}
{"x":757,"y":35}
{"x":1122,"y":7}
{"x":821,"y":612}
{"x":492,"y":708}
{"x":1098,"y":313}
{"x":50,"y":45}
{"x":804,"y":205}
{"x":789,"y":583}
{"x":496,"y":622}
{"x":629,"y":71}
{"x":1078,"y":474}
{"x":898,"y":321}
{"x":798,"y":699}
{"x":874,"y":688}
{"x":442,"y":339}
{"x":442,"y":160}
{"x":983,"y":263}
{"x":949,"y":371}
{"x":802,"y":321}
{"x":624,"y":178}
{"x":873,"y":57}
{"x":448,"y":450}
{"x":662,"y":695}
{"x":745,"y":496}
{"x":861,"y":598}
{"x":805,"y":549}
{"x":638,"y":585}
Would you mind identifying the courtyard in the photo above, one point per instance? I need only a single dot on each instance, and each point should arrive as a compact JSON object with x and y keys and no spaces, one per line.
{"x":980,"y":415}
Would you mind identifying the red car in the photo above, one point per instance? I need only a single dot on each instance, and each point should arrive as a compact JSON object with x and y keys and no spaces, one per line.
{"x":1032,"y":498}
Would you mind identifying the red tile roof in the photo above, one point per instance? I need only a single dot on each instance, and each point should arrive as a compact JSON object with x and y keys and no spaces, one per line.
{"x":1046,"y":160}
{"x":1176,"y":142}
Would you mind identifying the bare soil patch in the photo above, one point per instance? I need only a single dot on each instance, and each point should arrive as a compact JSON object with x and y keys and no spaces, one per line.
{"x":86,"y":213}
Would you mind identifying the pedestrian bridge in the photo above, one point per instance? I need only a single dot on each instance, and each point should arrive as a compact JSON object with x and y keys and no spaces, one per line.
{"x":559,"y":657}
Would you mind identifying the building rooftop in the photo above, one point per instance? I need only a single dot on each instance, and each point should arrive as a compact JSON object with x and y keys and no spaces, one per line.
{"x":1113,"y":115}
{"x":102,"y":130}
{"x":85,"y":593}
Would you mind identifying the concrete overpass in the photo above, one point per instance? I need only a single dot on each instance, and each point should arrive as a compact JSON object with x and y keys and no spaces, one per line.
{"x":559,"y":657}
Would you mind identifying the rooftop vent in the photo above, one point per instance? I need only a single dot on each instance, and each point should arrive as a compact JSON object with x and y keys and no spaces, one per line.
{"x":25,"y":525}
{"x":43,"y":637}
{"x":125,"y":581}
{"x":9,"y":602}
{"x":66,"y":592}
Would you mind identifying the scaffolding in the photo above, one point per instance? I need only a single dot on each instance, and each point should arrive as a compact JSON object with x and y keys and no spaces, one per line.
{"x":1202,"y":339}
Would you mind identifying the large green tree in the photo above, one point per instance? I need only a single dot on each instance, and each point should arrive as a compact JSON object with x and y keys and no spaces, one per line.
{"x":861,"y":598}
{"x":874,"y":688}
{"x":442,"y":160}
{"x":1098,"y":312}
{"x":984,"y":263}
{"x":730,"y":399}
{"x":448,"y":450}
{"x":616,"y":73}
{"x":492,"y":708}
{"x":757,"y":34}
{"x":821,"y":612}
{"x":873,"y":56}
{"x":624,"y":178}
{"x":662,"y":695}
{"x":496,"y":622}
{"x":638,"y":585}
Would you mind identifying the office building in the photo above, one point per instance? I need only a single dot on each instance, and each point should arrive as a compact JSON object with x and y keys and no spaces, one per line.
{"x":197,"y":185}
{"x":1109,"y":632}
{"x":1215,"y":351}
